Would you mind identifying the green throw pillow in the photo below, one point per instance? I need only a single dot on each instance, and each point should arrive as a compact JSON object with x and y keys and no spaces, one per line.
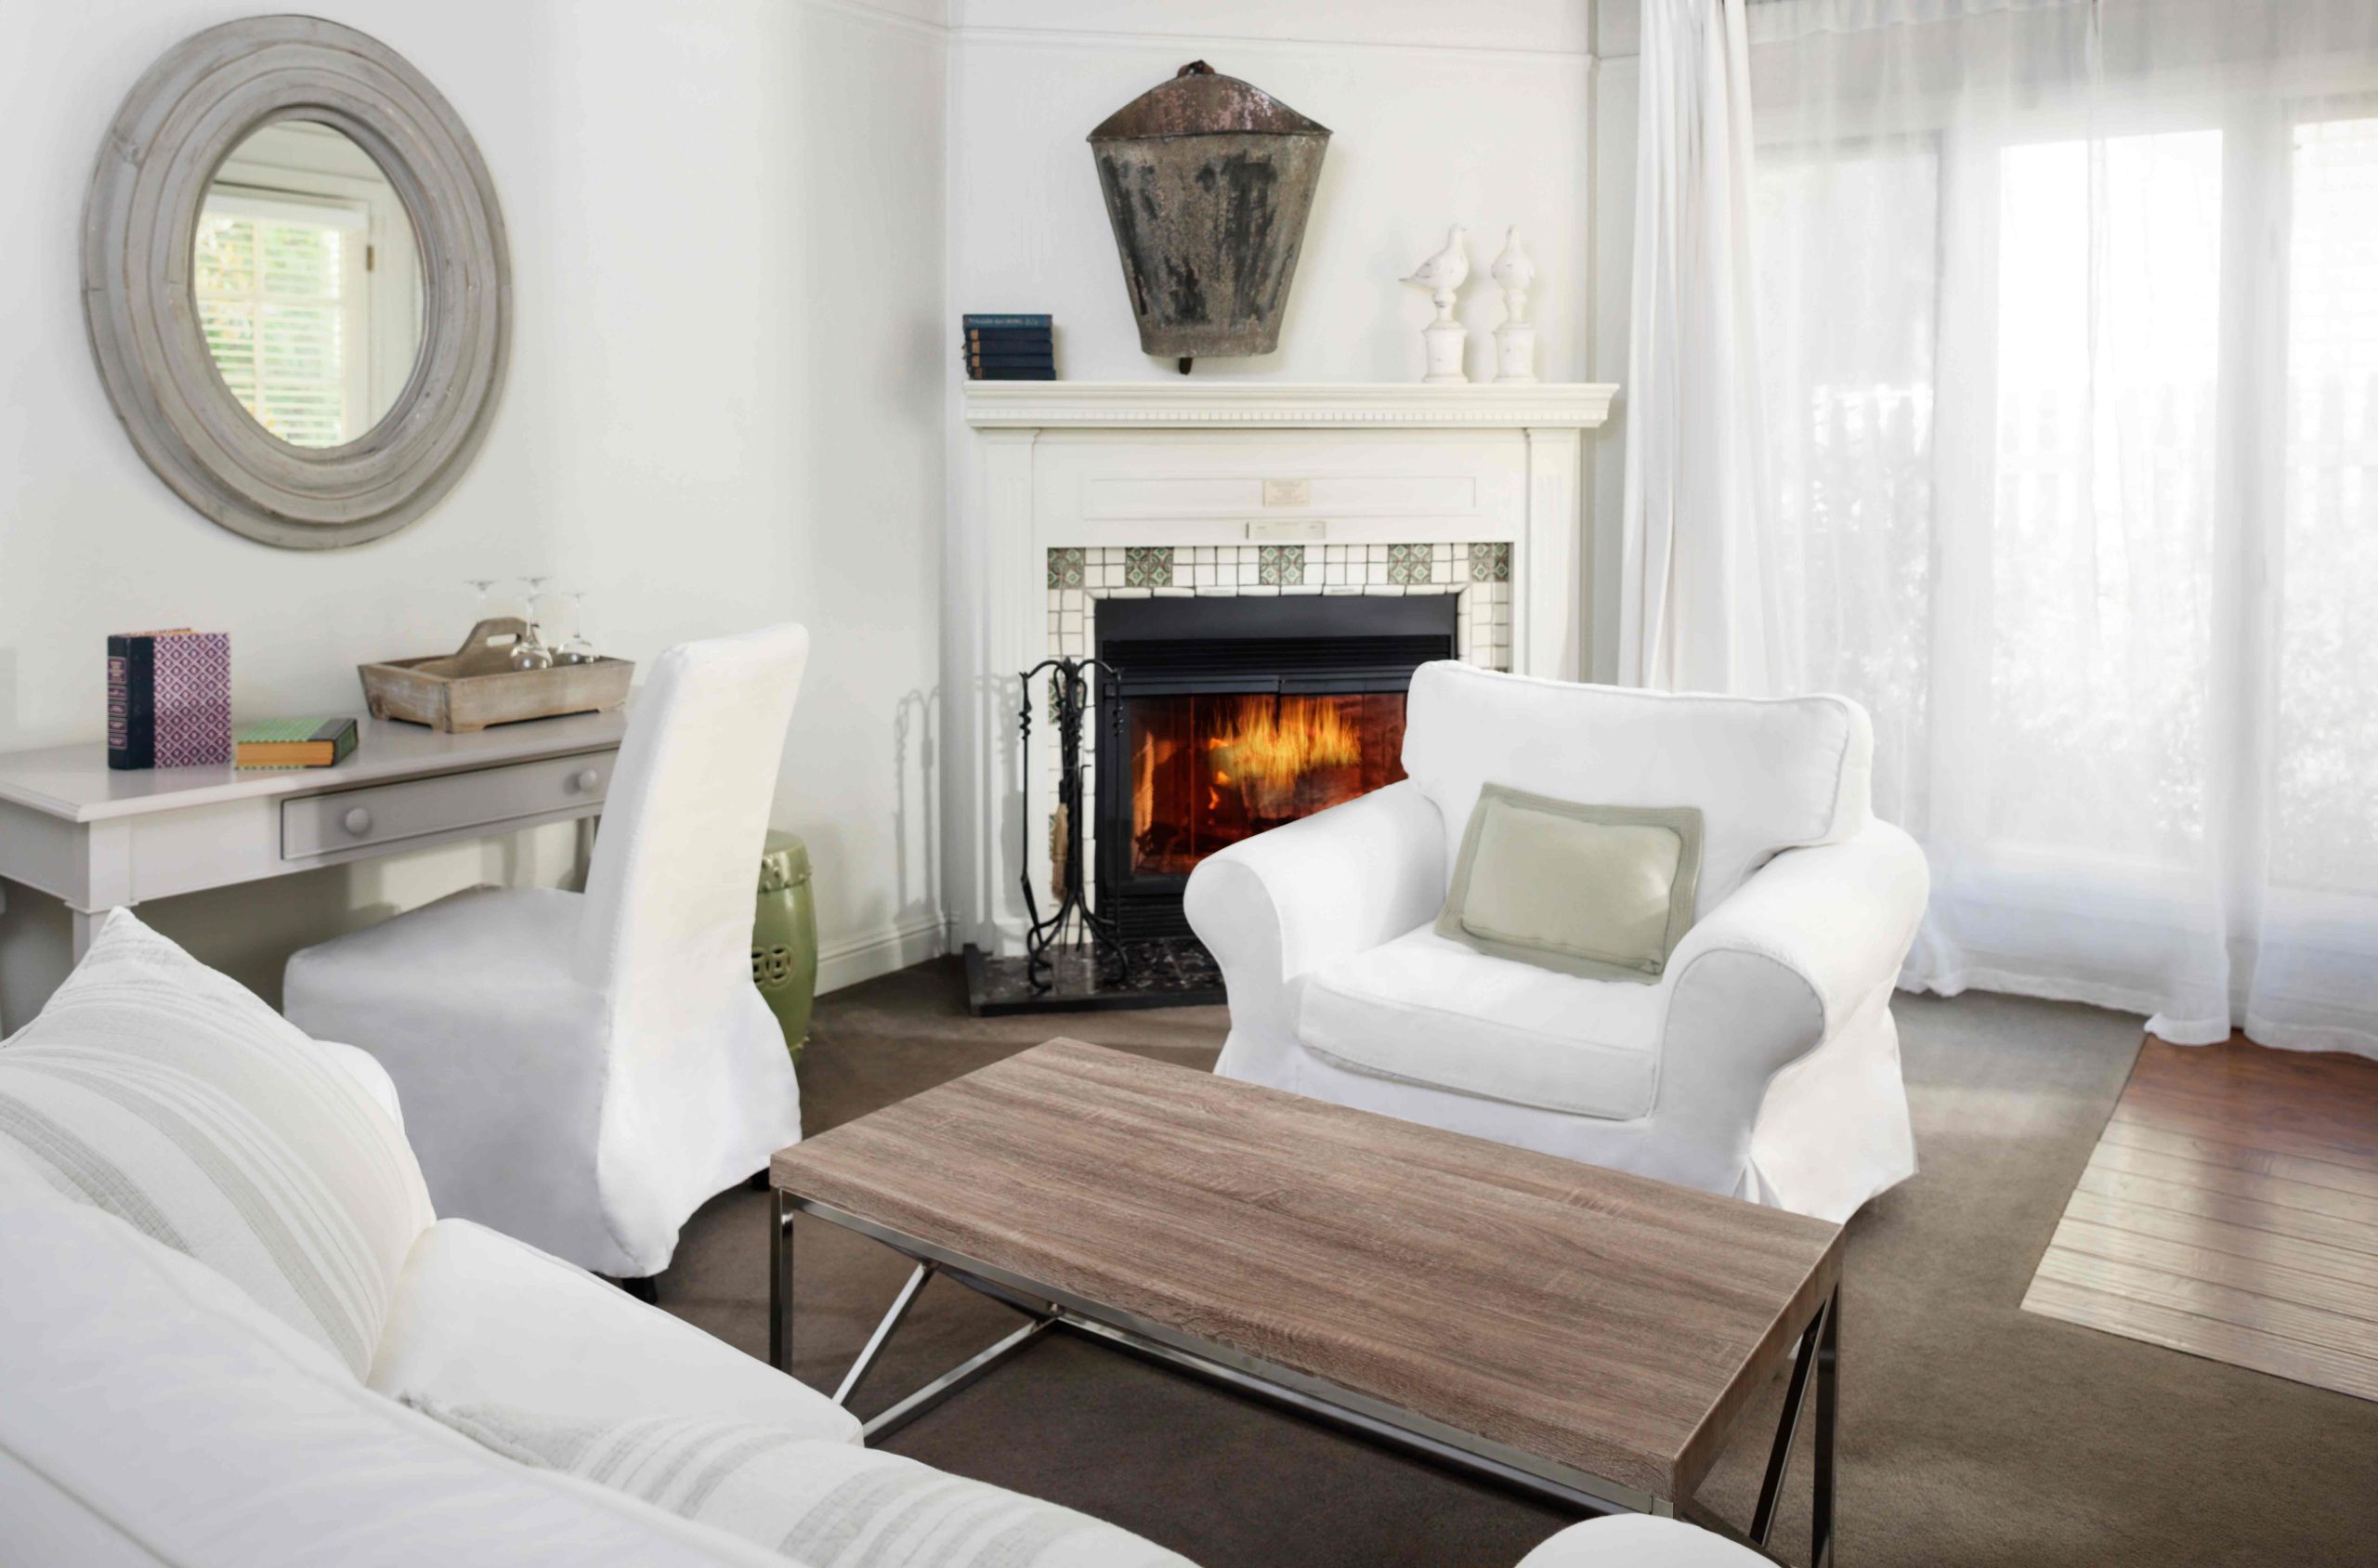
{"x":1600,"y":891}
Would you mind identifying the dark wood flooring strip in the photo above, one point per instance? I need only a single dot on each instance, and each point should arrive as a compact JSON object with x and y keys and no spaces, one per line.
{"x":2333,"y":1078}
{"x":2281,"y":1192}
{"x":2314,"y":1135}
{"x":2153,"y":1139}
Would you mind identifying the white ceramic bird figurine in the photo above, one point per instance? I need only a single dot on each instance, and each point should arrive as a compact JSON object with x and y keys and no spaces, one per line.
{"x":1445,"y":272}
{"x":1515,"y":339}
{"x":1515,"y":273}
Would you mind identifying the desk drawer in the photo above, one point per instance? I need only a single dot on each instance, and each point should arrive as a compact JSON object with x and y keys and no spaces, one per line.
{"x":450,"y":802}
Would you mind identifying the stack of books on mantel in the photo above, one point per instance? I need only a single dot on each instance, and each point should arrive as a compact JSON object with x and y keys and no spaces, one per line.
{"x":1008,"y":349}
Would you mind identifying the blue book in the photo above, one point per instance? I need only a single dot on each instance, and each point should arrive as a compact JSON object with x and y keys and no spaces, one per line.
{"x":1043,"y":322}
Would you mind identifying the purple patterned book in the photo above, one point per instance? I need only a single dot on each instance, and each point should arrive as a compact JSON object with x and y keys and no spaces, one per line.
{"x":169,"y":699}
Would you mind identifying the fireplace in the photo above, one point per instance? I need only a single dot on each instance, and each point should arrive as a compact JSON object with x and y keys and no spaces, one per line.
{"x":1238,"y":715}
{"x":1361,"y":529}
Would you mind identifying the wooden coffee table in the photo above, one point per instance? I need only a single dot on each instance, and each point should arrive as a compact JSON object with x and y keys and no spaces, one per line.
{"x":1578,"y":1332}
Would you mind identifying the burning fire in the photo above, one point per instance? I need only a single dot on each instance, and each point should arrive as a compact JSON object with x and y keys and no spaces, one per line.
{"x":1210,"y":770}
{"x":1273,"y":742}
{"x":1271,"y":746}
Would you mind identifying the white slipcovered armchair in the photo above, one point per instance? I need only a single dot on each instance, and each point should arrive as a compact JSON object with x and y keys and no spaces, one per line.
{"x":1763,"y":1063}
{"x":582,"y":1071}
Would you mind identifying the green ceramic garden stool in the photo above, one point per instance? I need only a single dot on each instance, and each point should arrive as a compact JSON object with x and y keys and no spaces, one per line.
{"x":784,"y":937}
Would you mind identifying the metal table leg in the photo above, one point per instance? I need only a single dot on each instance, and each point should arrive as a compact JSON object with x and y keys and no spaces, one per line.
{"x":1778,"y":1457}
{"x":924,"y":1399}
{"x":885,"y":1423}
{"x":780,"y":1282}
{"x":1828,"y":1376}
{"x":883,"y":1335}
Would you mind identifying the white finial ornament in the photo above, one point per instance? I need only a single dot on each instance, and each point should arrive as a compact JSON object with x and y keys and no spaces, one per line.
{"x":1442,"y":275}
{"x":1514,"y":272}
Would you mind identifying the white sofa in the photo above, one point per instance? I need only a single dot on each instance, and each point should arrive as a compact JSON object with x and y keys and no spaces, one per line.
{"x":227,"y":1307}
{"x":1763,"y":1063}
{"x":229,"y":1312}
{"x":154,"y":1413}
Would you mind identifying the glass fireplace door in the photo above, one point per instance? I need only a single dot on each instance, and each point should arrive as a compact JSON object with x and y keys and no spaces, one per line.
{"x":1208,"y":769}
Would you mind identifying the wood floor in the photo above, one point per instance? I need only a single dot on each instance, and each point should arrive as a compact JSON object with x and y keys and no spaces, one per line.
{"x":2230,"y":1210}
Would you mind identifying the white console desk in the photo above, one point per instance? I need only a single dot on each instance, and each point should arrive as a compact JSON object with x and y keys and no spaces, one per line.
{"x":96,"y":837}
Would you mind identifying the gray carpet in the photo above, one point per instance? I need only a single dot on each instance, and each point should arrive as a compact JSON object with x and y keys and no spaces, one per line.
{"x":1972,"y":1434}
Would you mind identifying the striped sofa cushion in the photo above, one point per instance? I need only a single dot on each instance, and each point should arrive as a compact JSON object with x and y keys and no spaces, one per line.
{"x":822,"y":1504}
{"x":170,"y":1096}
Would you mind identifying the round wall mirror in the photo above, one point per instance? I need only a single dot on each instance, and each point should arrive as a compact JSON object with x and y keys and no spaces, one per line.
{"x":296,"y":282}
{"x":306,"y":284}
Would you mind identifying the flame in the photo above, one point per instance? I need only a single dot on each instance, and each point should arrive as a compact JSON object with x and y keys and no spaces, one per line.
{"x":1272,"y":743}
{"x":1208,"y":770}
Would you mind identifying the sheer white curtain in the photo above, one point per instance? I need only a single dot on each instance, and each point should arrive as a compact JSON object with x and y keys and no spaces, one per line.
{"x":1697,"y":586}
{"x":2069,"y":317}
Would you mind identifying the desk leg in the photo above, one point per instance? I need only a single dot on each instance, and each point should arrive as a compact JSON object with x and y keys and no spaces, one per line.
{"x":586,"y":828}
{"x":87,"y":928}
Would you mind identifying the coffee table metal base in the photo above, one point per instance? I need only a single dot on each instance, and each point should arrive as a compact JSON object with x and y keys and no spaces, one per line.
{"x":1817,"y":1363}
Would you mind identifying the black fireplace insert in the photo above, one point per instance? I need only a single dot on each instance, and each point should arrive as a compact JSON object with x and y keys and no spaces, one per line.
{"x":1238,"y":715}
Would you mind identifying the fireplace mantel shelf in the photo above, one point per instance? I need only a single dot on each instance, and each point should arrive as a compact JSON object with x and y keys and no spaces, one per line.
{"x":1213,"y":403}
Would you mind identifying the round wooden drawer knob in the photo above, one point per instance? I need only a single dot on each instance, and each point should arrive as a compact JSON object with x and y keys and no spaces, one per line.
{"x":356,"y":821}
{"x":585,"y":780}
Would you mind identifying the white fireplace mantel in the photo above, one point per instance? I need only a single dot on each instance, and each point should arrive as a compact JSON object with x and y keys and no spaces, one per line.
{"x":1205,"y":462}
{"x":1190,"y":404}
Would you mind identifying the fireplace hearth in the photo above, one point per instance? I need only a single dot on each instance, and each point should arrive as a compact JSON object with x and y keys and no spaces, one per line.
{"x":1239,"y":714}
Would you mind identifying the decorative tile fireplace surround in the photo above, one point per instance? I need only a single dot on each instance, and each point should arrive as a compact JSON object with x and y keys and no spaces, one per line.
{"x":1091,"y":492}
{"x":1478,"y":573}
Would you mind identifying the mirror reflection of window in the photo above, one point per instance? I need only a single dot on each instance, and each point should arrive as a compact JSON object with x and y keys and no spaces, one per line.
{"x":282,"y":301}
{"x":306,"y":284}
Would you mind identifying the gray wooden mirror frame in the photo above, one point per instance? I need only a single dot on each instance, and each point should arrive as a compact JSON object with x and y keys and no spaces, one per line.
{"x":191,"y":109}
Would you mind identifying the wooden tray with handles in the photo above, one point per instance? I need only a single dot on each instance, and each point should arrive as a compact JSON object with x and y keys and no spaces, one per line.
{"x":476,"y":685}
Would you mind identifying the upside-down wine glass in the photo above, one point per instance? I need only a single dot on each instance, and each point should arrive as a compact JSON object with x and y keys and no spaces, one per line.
{"x":576,"y":651}
{"x":530,"y":652}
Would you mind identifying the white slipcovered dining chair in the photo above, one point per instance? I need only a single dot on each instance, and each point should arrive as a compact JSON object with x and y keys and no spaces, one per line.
{"x":1763,"y":1063}
{"x":582,"y":1071}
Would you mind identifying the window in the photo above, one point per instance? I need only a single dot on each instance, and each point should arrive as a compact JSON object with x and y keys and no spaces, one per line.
{"x":2107,"y":315}
{"x":2109,"y":600}
{"x":1852,"y":428}
{"x":280,"y":287}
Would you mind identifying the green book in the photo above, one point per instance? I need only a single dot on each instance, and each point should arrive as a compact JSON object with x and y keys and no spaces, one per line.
{"x":292,"y":742}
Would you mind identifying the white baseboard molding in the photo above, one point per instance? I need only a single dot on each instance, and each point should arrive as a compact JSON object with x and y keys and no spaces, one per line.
{"x":880,"y":951}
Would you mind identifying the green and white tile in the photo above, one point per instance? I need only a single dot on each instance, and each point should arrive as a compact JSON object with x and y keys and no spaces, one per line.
{"x":1148,"y":566}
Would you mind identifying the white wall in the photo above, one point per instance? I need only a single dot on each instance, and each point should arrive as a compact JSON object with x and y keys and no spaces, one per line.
{"x":1479,"y":113}
{"x":725,"y":407}
{"x":742,"y":232}
{"x":1475,"y":113}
